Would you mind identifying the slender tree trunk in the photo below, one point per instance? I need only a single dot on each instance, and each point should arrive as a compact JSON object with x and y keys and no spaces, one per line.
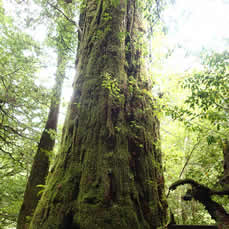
{"x":225,"y":179}
{"x":225,"y":182}
{"x":40,"y":166}
{"x":108,"y":174}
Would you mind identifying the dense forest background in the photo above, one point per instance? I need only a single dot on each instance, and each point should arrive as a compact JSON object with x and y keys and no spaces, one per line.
{"x":188,"y":60}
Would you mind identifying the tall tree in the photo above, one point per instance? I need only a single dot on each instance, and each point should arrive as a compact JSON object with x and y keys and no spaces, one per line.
{"x":40,"y":168}
{"x":108,"y":173}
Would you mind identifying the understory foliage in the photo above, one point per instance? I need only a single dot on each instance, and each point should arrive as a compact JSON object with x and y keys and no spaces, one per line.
{"x":209,"y":95}
{"x":203,"y":120}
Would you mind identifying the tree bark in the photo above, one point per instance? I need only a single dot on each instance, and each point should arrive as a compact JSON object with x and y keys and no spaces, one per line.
{"x":109,"y":172}
{"x":40,"y":166}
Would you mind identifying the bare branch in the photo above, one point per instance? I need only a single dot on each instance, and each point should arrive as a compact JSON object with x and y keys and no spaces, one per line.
{"x":185,"y":181}
{"x":198,"y":186}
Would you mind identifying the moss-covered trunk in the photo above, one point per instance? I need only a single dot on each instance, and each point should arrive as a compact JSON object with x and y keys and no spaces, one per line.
{"x":108,"y":174}
{"x":40,"y":166}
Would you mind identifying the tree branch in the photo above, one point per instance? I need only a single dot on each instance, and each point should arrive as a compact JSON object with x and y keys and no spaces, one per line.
{"x":186,"y":181}
{"x":189,"y":157}
{"x":203,"y":194}
{"x":11,"y":156}
{"x":61,"y":12}
{"x":198,"y":185}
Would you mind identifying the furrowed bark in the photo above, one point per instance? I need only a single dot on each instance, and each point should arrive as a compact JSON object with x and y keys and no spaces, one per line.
{"x":109,"y":173}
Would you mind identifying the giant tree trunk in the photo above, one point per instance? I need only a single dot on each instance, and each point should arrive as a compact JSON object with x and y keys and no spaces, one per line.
{"x":40,"y":166}
{"x":108,"y":174}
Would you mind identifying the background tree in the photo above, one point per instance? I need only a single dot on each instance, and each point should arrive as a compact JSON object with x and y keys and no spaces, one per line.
{"x":61,"y":41}
{"x":41,"y":160}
